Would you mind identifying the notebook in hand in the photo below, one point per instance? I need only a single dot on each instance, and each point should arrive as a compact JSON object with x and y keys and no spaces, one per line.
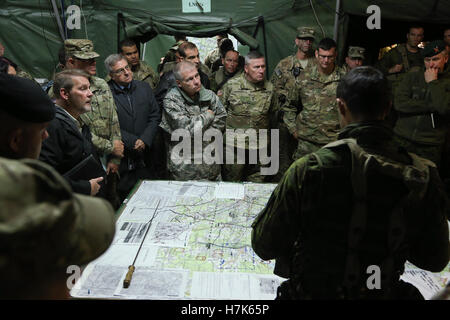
{"x":87,"y":169}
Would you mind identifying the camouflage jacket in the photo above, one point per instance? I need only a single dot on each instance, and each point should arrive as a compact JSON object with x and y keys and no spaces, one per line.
{"x":220,"y":77}
{"x":23,"y":74}
{"x":285,"y":75}
{"x":423,"y":108}
{"x":143,"y":72}
{"x":193,"y":118}
{"x":308,"y":217}
{"x":311,"y":107}
{"x":249,"y":106}
{"x":211,"y":57}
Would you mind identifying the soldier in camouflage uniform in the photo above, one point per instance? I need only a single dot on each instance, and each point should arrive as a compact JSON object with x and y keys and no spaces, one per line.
{"x":355,"y":57}
{"x":141,"y":70}
{"x":214,"y":55}
{"x":44,"y":227}
{"x":170,"y":55}
{"x":249,"y":102}
{"x":405,"y":57}
{"x":284,"y":80}
{"x":340,"y":210}
{"x":229,"y":69}
{"x":310,"y":112}
{"x":193,"y":109}
{"x":423,"y":105}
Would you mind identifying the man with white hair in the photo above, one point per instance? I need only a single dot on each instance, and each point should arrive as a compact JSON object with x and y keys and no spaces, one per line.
{"x":191,"y":107}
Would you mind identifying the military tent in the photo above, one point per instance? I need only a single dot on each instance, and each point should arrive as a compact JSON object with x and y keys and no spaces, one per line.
{"x":32,"y":31}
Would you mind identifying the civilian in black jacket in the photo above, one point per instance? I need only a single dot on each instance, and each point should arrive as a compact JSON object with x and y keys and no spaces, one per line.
{"x":139,"y":118}
{"x":69,"y":140}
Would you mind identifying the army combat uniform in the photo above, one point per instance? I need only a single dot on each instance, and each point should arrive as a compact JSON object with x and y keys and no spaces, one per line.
{"x":102,"y":119}
{"x":311,"y":110}
{"x":248,"y":106}
{"x":143,"y":72}
{"x":220,"y":77}
{"x":181,"y":112}
{"x":340,"y":210}
{"x":284,"y":80}
{"x":211,"y":57}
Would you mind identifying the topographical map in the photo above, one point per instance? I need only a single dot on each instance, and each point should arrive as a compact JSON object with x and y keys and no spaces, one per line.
{"x":197,"y":245}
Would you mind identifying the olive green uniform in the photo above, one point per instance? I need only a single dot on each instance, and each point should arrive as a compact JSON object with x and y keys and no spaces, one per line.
{"x":423,"y":114}
{"x":333,"y":215}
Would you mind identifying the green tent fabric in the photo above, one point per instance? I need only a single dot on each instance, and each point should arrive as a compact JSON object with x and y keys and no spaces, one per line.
{"x":32,"y":38}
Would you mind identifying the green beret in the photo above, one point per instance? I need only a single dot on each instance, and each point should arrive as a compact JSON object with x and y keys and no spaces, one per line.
{"x":433,"y":48}
{"x":25,"y":100}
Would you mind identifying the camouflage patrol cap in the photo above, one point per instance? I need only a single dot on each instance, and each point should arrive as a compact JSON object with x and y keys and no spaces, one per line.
{"x":356,"y":52}
{"x":80,"y":48}
{"x":25,"y":100}
{"x":433,"y":48}
{"x":306,"y":32}
{"x":44,"y":227}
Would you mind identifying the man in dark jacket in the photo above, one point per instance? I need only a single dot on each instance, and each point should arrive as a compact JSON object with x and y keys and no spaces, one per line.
{"x":139,"y":117}
{"x":69,"y":141}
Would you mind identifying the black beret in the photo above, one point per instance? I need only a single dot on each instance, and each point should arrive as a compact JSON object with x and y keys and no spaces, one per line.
{"x":25,"y":100}
{"x":433,"y":48}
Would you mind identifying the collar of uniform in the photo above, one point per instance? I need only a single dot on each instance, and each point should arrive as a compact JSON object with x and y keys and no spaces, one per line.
{"x":253,"y":86}
{"x":295,"y":62}
{"x":121,"y":89}
{"x":202,"y":95}
{"x":141,"y":67}
{"x":333,"y":76}
{"x":77,"y":122}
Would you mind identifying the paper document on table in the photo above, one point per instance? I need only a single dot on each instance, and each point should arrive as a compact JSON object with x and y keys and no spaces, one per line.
{"x":226,"y":190}
{"x":245,"y":286}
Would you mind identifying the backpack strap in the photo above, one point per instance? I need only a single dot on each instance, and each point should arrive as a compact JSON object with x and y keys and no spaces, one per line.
{"x":415,"y":178}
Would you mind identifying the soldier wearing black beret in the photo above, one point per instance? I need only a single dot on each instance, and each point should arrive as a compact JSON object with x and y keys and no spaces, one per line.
{"x":25,"y":113}
{"x":423,"y":104}
{"x":44,"y":226}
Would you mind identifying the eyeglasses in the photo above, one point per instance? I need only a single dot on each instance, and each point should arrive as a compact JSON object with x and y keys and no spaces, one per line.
{"x":122,"y":70}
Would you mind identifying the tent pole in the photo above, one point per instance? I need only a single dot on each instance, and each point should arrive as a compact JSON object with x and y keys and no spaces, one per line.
{"x":58,"y":20}
{"x":336,"y":20}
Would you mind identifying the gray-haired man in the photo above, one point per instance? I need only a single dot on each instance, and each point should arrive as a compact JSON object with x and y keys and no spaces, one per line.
{"x":191,"y":107}
{"x":139,"y":117}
